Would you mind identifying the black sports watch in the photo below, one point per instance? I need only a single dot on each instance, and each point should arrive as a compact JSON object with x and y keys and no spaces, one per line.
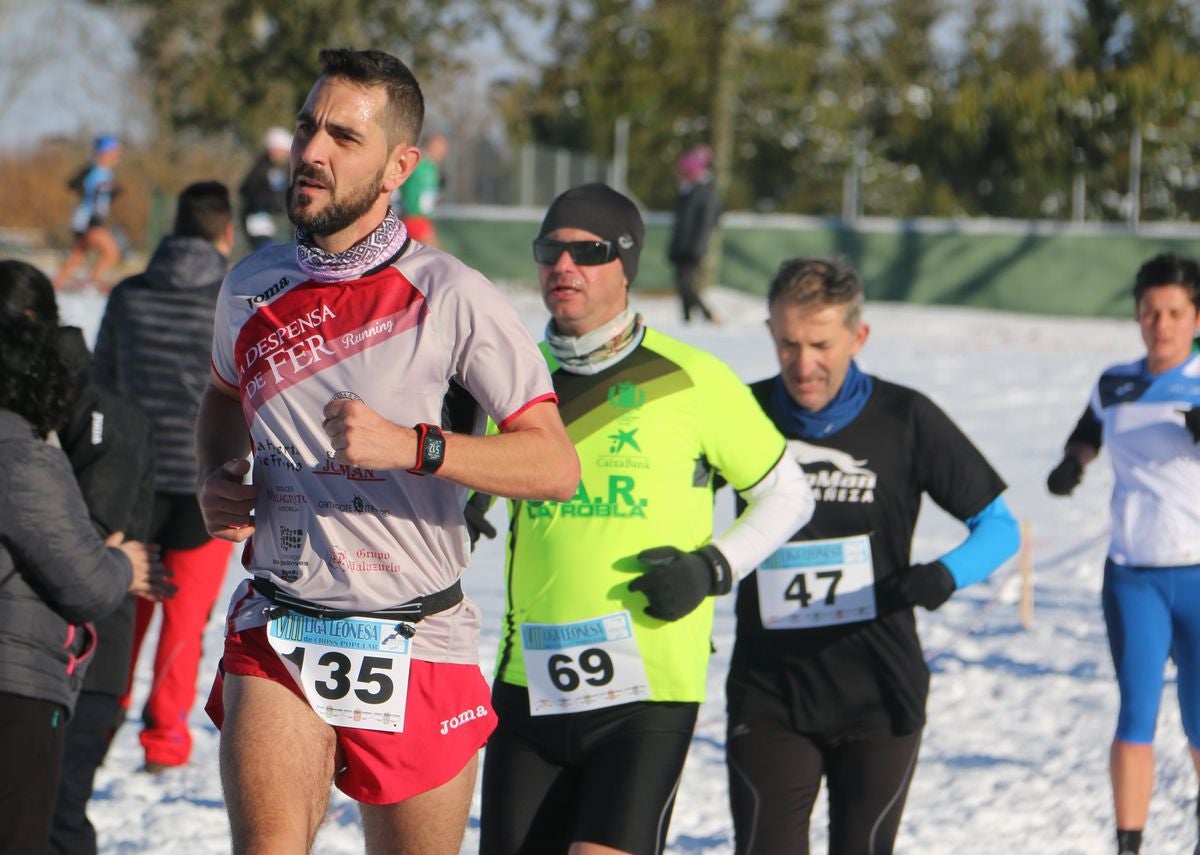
{"x":431,"y":449}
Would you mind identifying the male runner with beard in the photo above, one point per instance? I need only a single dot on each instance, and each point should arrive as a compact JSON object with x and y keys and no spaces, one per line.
{"x":351,"y":653}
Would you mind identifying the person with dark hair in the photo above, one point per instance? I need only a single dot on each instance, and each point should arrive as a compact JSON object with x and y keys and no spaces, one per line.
{"x":696,"y":212}
{"x":827,"y":677}
{"x":96,"y":185}
{"x":263,"y":192}
{"x":351,"y":655}
{"x":1148,"y":414}
{"x":606,"y":637}
{"x":165,"y":376}
{"x":107,"y":440}
{"x":57,"y":574}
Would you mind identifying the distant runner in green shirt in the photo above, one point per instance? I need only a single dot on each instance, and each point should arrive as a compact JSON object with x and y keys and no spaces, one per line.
{"x":606,"y":635}
{"x":419,"y":194}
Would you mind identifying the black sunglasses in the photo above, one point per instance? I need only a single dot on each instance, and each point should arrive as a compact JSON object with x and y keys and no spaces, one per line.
{"x":583,"y":252}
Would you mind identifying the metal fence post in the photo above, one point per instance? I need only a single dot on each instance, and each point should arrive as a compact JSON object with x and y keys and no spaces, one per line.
{"x":620,"y":161}
{"x":527,"y":167}
{"x":1135,"y":177}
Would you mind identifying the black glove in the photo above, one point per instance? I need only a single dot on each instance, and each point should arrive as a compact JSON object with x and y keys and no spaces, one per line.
{"x":1191,"y":418}
{"x":1065,"y":477}
{"x":679,"y":581}
{"x":474,"y":512}
{"x":927,"y":585}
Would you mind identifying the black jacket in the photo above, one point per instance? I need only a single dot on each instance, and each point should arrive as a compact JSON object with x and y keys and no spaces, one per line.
{"x":55,"y":572}
{"x":696,"y":212}
{"x":154,"y":347}
{"x":108,"y":442}
{"x":259,"y":194}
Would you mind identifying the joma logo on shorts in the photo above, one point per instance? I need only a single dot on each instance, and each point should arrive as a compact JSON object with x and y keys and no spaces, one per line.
{"x":462,"y":718}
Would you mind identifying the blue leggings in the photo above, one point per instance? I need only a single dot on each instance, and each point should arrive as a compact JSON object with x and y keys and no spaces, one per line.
{"x":1152,"y":613}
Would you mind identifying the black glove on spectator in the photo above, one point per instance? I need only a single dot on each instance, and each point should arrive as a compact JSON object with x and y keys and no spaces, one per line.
{"x":474,"y":512}
{"x":927,"y":585}
{"x":679,"y":581}
{"x":1064,"y":477}
{"x":1191,"y":418}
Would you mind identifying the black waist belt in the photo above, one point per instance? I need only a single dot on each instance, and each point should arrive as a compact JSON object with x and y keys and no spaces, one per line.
{"x":412,"y":611}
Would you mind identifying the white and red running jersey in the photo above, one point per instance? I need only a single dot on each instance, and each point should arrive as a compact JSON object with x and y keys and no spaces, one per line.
{"x":350,"y":538}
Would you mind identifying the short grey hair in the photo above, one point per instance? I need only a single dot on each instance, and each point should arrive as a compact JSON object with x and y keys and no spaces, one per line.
{"x":818,"y":282}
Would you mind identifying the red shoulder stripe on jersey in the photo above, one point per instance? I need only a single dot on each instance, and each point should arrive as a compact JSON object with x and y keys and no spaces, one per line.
{"x":549,"y":396}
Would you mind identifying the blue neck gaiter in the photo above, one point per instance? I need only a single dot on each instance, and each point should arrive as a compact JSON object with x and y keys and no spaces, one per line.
{"x":845,"y":406}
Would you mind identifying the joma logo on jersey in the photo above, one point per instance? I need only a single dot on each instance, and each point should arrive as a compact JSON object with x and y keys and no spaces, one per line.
{"x":617,"y":501}
{"x":269,"y":293}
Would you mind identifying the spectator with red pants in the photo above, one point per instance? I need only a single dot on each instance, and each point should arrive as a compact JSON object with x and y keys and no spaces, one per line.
{"x":166,"y":376}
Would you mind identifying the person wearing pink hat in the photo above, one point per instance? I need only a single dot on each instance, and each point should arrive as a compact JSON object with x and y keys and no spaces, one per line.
{"x":696,"y":211}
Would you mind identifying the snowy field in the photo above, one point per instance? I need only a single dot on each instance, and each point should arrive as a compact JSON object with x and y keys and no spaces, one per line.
{"x":1015,"y":754}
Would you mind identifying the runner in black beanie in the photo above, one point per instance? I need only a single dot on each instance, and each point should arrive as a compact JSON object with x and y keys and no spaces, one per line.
{"x":601,"y":210}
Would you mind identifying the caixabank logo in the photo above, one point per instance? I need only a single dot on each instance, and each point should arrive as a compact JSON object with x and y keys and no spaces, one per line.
{"x":624,"y":451}
{"x":617,"y":497}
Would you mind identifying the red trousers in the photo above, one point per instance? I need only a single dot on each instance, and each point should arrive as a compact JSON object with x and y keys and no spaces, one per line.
{"x":198,"y":573}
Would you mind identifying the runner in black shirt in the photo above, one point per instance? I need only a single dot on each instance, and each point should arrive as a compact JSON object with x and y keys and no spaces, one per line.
{"x":827,"y":677}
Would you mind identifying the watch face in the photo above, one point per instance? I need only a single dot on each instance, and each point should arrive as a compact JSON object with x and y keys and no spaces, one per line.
{"x":433,"y":449}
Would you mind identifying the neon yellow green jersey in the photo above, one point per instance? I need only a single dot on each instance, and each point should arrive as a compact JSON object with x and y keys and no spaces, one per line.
{"x":650,"y":432}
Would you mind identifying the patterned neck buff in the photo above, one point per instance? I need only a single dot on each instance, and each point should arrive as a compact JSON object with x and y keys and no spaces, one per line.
{"x":592,"y":352}
{"x":379,"y":246}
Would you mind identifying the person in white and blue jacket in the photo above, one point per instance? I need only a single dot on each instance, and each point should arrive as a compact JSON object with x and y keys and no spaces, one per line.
{"x":1147,"y":412}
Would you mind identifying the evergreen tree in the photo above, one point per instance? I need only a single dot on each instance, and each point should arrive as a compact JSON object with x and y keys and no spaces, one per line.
{"x":240,"y":66}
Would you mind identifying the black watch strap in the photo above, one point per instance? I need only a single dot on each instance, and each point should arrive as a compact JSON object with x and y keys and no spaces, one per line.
{"x":431,"y":449}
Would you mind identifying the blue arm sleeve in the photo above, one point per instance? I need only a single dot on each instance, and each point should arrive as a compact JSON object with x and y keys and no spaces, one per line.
{"x":994,"y":538}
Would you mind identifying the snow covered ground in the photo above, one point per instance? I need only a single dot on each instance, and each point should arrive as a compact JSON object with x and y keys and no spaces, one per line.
{"x":1015,"y":754}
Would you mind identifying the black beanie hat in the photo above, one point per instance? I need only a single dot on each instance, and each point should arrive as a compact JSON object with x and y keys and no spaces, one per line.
{"x":603,"y":211}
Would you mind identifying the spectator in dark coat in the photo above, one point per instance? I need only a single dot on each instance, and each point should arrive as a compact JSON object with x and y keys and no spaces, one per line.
{"x":107,"y":440}
{"x":696,"y":211}
{"x":154,"y":348}
{"x":263,"y":192}
{"x":56,"y":574}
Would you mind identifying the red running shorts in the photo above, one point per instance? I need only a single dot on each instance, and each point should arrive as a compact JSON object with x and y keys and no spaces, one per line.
{"x":420,"y":229}
{"x":448,"y":718}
